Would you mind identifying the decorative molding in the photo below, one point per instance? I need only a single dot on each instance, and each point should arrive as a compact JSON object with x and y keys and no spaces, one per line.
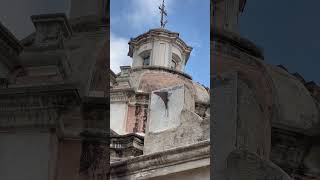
{"x":125,"y":146}
{"x":35,"y":109}
{"x":51,"y":30}
{"x":160,"y":68}
{"x":119,"y":97}
{"x":235,"y":45}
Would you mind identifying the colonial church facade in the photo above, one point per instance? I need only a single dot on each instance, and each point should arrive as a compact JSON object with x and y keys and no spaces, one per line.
{"x":159,"y":117}
{"x":55,"y":91}
{"x":266,"y":121}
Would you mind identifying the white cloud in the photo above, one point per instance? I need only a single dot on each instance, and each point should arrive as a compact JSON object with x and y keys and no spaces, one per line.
{"x":118,"y":53}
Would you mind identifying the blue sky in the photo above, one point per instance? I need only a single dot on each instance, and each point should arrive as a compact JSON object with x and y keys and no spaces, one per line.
{"x":191,"y":18}
{"x":287,"y":32}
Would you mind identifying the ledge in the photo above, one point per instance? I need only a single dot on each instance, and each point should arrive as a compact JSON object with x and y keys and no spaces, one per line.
{"x":160,"y":68}
{"x":17,"y":89}
{"x":199,"y":153}
{"x":56,"y":17}
{"x":235,"y":40}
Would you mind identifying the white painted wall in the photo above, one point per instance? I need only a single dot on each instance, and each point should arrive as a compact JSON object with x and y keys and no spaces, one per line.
{"x":160,"y":118}
{"x":24,"y":156}
{"x":118,"y":116}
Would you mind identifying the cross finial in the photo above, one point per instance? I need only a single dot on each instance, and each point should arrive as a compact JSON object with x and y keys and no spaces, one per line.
{"x":163,"y":14}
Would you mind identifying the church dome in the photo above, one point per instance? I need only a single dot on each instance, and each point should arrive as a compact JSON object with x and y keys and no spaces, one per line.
{"x":296,"y":107}
{"x":148,"y":79}
{"x":202,"y":94}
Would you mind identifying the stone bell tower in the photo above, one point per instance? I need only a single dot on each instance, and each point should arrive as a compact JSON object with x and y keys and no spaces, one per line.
{"x":159,"y":47}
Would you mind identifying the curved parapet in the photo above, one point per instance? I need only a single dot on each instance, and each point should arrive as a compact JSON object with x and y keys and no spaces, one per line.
{"x":296,"y":106}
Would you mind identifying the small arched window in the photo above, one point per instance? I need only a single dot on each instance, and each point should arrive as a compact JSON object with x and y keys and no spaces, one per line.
{"x":146,"y":61}
{"x":173,"y":64}
{"x":175,"y":60}
{"x":145,"y":56}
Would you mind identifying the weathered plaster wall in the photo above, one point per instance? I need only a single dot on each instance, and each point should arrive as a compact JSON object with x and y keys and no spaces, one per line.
{"x":166,"y":115}
{"x":185,"y":127}
{"x":118,"y":117}
{"x":131,"y":118}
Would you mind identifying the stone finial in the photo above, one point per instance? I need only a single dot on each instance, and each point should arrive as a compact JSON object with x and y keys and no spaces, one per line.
{"x":51,"y":29}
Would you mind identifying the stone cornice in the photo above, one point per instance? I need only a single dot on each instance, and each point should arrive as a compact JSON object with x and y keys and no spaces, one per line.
{"x":35,"y":107}
{"x":57,"y":17}
{"x":235,"y":41}
{"x":170,"y":157}
{"x":38,"y":89}
{"x":90,"y":23}
{"x":126,"y":141}
{"x":160,"y":68}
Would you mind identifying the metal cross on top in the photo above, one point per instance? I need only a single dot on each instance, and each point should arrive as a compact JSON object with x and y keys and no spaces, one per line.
{"x":163,"y":13}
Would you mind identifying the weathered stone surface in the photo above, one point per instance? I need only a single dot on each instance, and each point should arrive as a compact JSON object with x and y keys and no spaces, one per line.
{"x":51,"y":30}
{"x":289,"y":91}
{"x":225,"y":119}
{"x":123,"y":147}
{"x":189,"y":131}
{"x":94,"y":159}
{"x":166,"y":164}
{"x":266,"y":97}
{"x":172,"y":121}
{"x":243,"y":165}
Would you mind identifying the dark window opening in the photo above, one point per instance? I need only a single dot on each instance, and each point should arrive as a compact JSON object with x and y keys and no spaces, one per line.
{"x":173,"y":64}
{"x":146,"y":61}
